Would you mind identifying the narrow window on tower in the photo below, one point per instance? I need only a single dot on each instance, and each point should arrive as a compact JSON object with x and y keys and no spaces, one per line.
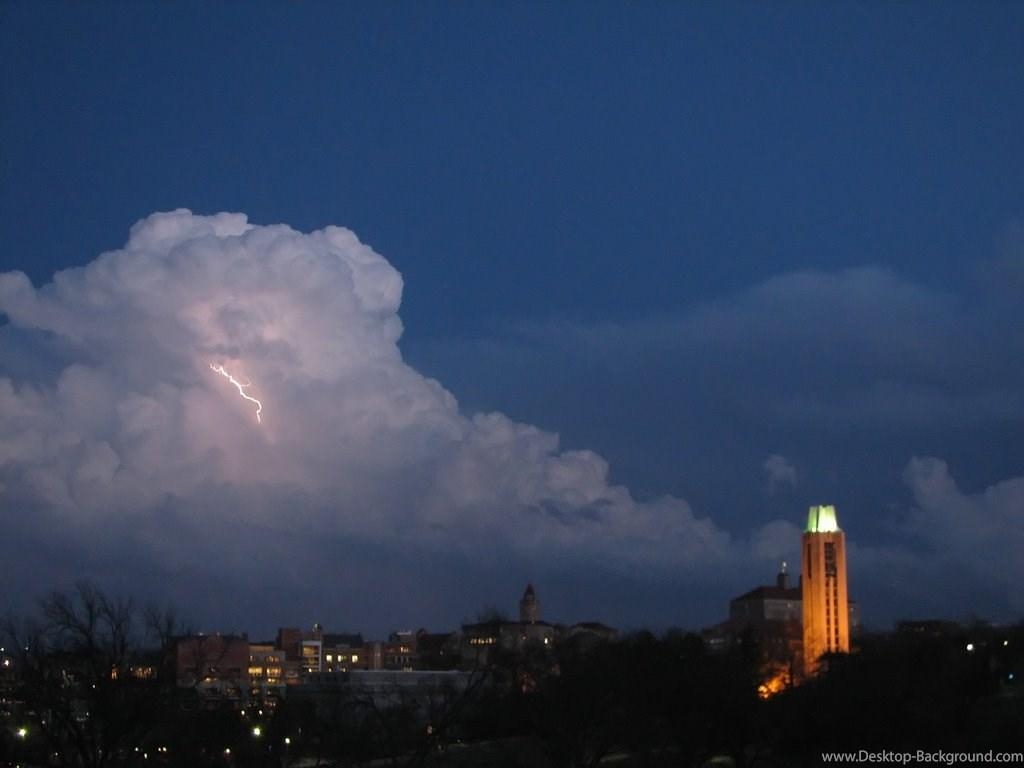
{"x":830,"y":558}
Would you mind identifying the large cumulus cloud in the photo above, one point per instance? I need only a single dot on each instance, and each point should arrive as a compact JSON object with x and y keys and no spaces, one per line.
{"x":124,"y":456}
{"x":120,"y":423}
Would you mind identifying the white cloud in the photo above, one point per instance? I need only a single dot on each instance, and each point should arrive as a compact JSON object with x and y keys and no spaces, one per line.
{"x":354,"y":442}
{"x":981,"y":534}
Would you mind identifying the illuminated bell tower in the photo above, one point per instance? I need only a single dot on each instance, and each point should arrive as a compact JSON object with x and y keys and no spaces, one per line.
{"x":823,"y":578}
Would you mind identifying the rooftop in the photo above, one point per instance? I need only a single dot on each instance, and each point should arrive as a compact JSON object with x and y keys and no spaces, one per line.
{"x":772,"y":593}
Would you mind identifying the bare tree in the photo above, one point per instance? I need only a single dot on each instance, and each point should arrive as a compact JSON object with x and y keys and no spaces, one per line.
{"x":73,"y":667}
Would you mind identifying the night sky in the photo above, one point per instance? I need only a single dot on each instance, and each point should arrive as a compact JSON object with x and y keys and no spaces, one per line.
{"x":600,"y":296}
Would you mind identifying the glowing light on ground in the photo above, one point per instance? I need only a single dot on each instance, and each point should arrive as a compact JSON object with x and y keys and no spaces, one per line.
{"x":241,"y":389}
{"x":777,"y":683}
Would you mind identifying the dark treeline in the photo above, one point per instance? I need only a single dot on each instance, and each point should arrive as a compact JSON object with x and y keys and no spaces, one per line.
{"x":70,"y":698}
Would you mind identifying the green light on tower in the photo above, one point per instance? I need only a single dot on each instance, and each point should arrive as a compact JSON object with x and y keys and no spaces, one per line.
{"x":822,"y":519}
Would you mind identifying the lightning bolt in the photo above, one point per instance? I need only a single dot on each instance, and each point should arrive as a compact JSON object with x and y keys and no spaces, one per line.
{"x":241,"y":389}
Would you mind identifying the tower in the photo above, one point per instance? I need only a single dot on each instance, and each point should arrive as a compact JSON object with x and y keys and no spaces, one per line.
{"x":529,"y":607}
{"x":823,"y":579}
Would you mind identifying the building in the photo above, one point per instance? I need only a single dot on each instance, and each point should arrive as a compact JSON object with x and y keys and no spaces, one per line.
{"x":268,"y":674}
{"x":826,"y":610}
{"x":313,"y":654}
{"x":778,"y":602}
{"x":482,"y":640}
{"x":772,"y":616}
{"x":289,"y":642}
{"x":529,"y":606}
{"x":343,"y":652}
{"x":215,"y":666}
{"x":399,"y":652}
{"x":769,"y":616}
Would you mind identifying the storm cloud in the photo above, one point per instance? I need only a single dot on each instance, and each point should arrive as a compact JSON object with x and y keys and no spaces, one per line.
{"x":123,"y":453}
{"x":123,"y":442}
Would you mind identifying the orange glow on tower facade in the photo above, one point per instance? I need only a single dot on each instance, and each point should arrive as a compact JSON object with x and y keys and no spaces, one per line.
{"x":826,"y":607}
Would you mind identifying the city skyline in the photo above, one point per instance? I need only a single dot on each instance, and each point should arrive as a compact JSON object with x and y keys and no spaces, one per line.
{"x":435,"y":302}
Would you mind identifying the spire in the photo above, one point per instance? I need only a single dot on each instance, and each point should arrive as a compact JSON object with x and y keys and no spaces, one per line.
{"x":782,"y":580}
{"x":529,"y":606}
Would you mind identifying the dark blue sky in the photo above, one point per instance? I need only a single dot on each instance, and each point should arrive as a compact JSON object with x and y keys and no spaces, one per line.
{"x":593,"y":162}
{"x":687,"y":236}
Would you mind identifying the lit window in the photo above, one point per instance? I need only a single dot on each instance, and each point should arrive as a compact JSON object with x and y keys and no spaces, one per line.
{"x":355,"y":658}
